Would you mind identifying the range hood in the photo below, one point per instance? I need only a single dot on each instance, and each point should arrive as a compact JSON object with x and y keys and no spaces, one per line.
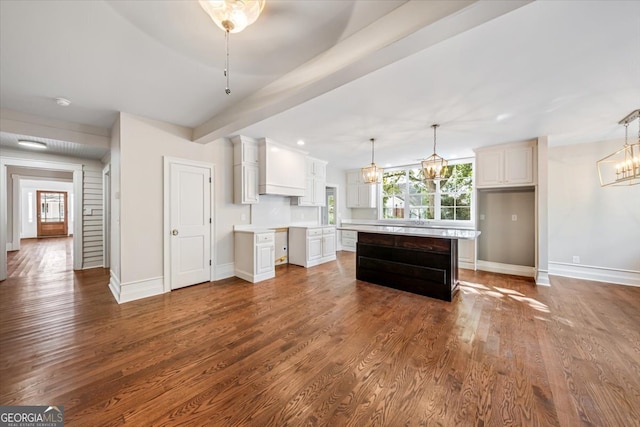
{"x":282,"y":170}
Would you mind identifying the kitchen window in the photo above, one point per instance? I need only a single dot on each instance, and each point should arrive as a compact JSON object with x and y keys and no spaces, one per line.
{"x":407,"y":196}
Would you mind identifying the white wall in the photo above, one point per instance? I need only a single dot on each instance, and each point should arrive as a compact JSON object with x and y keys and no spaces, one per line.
{"x":601,"y":225}
{"x":143,"y":143}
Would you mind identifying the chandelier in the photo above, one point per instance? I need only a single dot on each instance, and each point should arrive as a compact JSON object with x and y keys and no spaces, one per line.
{"x":434,"y":166}
{"x":232,"y":16}
{"x":623,"y":166}
{"x":372,"y":174}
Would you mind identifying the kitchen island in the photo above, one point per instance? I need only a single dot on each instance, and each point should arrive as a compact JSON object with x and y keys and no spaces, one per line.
{"x":413,"y":259}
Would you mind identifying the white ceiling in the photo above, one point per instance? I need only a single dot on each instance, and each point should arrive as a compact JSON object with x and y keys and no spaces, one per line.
{"x":333,"y":73}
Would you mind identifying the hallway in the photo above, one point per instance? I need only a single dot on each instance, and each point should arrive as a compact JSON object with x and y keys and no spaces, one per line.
{"x":41,"y":256}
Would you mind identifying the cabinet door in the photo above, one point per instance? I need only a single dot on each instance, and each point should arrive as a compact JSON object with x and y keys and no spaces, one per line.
{"x":353,"y":196}
{"x":265,"y":261}
{"x":367,"y":195}
{"x":518,"y":165}
{"x":319,"y":192}
{"x":328,"y":245}
{"x":250,"y":184}
{"x":353,"y":178}
{"x":249,"y":152}
{"x":314,"y":248}
{"x":489,"y":165}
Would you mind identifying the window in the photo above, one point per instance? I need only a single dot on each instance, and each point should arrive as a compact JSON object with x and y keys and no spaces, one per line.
{"x":406,"y":195}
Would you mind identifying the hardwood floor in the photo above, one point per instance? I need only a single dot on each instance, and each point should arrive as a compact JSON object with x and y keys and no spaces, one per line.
{"x":41,"y":256}
{"x":316,"y":347}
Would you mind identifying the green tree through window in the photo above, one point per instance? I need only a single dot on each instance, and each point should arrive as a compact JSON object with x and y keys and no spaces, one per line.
{"x":407,"y":195}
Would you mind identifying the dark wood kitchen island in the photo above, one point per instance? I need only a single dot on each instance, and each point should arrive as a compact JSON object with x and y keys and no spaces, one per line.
{"x":423,"y":261}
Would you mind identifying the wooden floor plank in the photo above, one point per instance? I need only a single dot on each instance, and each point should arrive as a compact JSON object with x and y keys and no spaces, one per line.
{"x":317,"y":347}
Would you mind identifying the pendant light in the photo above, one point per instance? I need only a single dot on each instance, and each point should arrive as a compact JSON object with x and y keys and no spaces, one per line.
{"x":372,"y":174}
{"x":623,"y":166}
{"x":232,"y":16}
{"x":434,"y":166}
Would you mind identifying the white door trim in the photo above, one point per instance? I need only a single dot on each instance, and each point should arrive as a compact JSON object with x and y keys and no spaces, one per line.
{"x":106,"y":216}
{"x":166,"y":228}
{"x":77,"y":188}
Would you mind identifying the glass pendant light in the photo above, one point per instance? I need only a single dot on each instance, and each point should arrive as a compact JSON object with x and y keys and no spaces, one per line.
{"x":372,"y":174}
{"x":434,"y":166}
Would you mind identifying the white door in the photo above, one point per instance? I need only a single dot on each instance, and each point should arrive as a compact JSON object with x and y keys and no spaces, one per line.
{"x":190,"y":224}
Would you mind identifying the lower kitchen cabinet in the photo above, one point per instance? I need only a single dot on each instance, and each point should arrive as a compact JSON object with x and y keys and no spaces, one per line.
{"x":309,"y":246}
{"x":348,"y":240}
{"x":254,"y":255}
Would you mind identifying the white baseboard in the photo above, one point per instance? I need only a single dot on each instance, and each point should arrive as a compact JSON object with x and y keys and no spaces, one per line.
{"x":497,"y":267}
{"x":598,"y":274}
{"x":93,"y":265}
{"x":114,"y":286}
{"x":542,"y":278}
{"x":126,"y":292}
{"x":467,"y":265}
{"x":224,"y":271}
{"x":13,"y":247}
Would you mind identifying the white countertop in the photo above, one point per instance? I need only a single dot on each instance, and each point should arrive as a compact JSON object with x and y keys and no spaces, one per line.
{"x":270,"y":229}
{"x":445,"y":233}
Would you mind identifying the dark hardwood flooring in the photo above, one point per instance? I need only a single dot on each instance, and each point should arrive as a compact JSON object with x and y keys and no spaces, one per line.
{"x":316,"y":347}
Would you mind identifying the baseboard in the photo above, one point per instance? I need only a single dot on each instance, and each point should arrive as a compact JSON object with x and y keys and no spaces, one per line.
{"x":224,"y":271}
{"x":93,"y":265}
{"x":467,"y":265}
{"x":594,"y":273}
{"x":126,"y":292}
{"x":114,"y":286}
{"x":542,"y":278}
{"x":497,"y":267}
{"x":12,"y":246}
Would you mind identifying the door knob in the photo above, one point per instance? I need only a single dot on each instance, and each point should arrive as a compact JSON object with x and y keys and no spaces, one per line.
{"x":174,"y":232}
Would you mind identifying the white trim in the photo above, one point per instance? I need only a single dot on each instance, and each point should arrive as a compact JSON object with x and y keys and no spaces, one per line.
{"x":224,"y":271}
{"x":92,"y":265}
{"x":167,"y":161}
{"x":76,"y":168}
{"x":466,"y":265}
{"x":42,"y":178}
{"x":497,"y":267}
{"x":137,"y":290}
{"x":114,"y":285}
{"x":542,"y":278}
{"x":17,"y":213}
{"x":595,"y":273}
{"x":245,"y":275}
{"x":106,"y":215}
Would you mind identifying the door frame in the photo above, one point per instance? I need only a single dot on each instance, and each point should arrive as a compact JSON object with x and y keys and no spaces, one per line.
{"x":76,"y":168}
{"x":166,"y":228}
{"x":106,"y":216}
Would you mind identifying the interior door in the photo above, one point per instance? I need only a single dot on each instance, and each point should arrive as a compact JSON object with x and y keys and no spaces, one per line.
{"x":52,"y":213}
{"x":190,"y":224}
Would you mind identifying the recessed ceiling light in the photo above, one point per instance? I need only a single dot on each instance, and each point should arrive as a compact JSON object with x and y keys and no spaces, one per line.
{"x":33,"y":144}
{"x":63,"y":102}
{"x":300,"y":142}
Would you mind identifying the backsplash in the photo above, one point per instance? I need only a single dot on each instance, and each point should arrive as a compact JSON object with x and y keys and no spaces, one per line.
{"x":278,"y":211}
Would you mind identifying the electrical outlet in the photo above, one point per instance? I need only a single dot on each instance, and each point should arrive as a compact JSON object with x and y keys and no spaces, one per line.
{"x":514,"y":217}
{"x":576,"y":259}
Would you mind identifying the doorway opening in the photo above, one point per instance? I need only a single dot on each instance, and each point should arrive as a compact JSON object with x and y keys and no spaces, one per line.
{"x":330,"y":208}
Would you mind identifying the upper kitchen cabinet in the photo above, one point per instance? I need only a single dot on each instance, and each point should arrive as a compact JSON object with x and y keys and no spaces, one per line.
{"x":282,"y":170}
{"x":245,"y":170}
{"x":359,"y":194}
{"x":509,"y":165}
{"x":315,"y":179}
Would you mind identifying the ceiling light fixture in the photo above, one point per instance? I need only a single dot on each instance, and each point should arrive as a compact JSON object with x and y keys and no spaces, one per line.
{"x":372,"y":174}
{"x":32,"y":144}
{"x":434,"y":166}
{"x":232,"y":16}
{"x":300,"y":142}
{"x":623,"y":166}
{"x":63,"y":102}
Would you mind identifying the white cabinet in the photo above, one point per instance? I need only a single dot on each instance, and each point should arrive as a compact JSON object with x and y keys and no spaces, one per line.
{"x":348,"y":240}
{"x":282,"y":170}
{"x":505,"y":166}
{"x":359,"y":194}
{"x":245,"y":170}
{"x":254,"y":255}
{"x":309,"y":246}
{"x":315,"y":179}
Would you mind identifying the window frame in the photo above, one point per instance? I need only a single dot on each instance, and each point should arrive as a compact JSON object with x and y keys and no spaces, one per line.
{"x":470,"y":223}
